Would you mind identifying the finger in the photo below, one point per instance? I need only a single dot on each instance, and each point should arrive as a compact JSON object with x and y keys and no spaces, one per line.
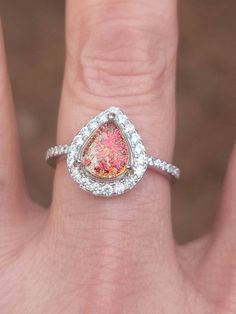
{"x":12,"y":188}
{"x":226,"y":220}
{"x":120,"y":53}
{"x":219,"y":270}
{"x":11,"y":180}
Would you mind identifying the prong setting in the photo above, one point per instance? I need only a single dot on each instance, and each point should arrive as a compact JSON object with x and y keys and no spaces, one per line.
{"x":77,"y":163}
{"x":111,"y":116}
{"x":130,"y":169}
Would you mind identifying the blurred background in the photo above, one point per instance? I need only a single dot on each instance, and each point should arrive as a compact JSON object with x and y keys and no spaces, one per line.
{"x":206,"y":110}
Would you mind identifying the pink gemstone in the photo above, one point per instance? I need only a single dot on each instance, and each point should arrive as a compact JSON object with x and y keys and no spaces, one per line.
{"x":106,"y":154}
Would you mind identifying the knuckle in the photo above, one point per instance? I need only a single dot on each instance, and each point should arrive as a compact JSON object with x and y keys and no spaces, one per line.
{"x":122,"y":61}
{"x":125,"y":56}
{"x":122,"y":66}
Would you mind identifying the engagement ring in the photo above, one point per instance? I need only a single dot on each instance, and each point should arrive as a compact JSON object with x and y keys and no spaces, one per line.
{"x":107,"y":157}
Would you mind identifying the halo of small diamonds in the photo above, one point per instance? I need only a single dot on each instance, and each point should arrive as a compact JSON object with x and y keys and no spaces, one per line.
{"x":118,"y":185}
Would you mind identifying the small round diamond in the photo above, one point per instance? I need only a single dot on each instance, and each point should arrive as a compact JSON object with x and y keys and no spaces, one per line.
{"x":102,"y":118}
{"x":129,"y":127}
{"x":85,"y":182}
{"x":129,"y":182}
{"x":139,"y":149}
{"x":121,"y":119}
{"x":93,"y":125}
{"x":85,"y":132}
{"x":142,"y":159}
{"x":157,"y":163}
{"x":107,"y":190}
{"x":119,"y":188}
{"x":79,"y":140}
{"x":169,"y":168}
{"x":176,"y":172}
{"x":75,"y":172}
{"x":113,"y":110}
{"x":135,"y":138}
{"x":95,"y":188}
{"x":150,"y":161}
{"x":139,"y":171}
{"x":163,"y":165}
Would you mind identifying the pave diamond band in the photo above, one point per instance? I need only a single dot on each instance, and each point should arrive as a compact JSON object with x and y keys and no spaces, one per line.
{"x":55,"y":152}
{"x":107,"y":157}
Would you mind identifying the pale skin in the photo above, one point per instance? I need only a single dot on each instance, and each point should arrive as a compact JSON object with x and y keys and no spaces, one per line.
{"x":91,"y":255}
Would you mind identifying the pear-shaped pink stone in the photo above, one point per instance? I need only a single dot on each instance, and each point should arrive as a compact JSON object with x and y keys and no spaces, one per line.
{"x":106,"y":154}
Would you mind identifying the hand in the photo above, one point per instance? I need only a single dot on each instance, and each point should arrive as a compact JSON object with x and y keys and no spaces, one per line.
{"x":95,"y":255}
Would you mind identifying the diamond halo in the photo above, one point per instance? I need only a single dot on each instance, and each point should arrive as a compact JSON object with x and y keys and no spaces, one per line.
{"x":138,"y":160}
{"x":107,"y":157}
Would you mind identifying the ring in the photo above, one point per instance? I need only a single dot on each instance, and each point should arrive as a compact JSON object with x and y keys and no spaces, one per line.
{"x":107,"y":157}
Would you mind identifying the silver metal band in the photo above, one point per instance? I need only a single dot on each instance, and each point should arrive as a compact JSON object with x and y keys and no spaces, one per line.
{"x":55,"y":152}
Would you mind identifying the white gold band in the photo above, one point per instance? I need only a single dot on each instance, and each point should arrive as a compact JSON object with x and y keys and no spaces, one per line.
{"x":55,"y":152}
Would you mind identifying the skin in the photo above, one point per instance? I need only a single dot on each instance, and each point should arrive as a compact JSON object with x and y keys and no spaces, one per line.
{"x":93,"y":255}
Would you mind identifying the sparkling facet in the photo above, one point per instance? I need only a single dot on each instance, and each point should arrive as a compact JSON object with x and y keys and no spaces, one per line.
{"x":106,"y":154}
{"x":119,"y":188}
{"x":93,"y":125}
{"x":135,"y":138}
{"x":107,"y":190}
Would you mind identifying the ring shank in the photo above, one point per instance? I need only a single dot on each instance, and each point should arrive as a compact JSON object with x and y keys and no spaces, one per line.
{"x":54,"y":153}
{"x":163,"y":167}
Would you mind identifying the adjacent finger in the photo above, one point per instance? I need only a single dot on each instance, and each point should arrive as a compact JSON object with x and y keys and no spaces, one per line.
{"x":13,"y":198}
{"x":218,"y":271}
{"x":12,"y":188}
